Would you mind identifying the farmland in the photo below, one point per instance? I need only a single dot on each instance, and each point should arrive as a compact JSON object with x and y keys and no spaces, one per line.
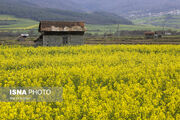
{"x":132,"y":40}
{"x":11,"y":27}
{"x":14,"y":24}
{"x":101,"y":29}
{"x":99,"y":82}
{"x":9,"y":23}
{"x":104,"y":40}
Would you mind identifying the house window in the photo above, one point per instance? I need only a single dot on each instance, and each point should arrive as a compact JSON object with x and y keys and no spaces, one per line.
{"x":65,"y":40}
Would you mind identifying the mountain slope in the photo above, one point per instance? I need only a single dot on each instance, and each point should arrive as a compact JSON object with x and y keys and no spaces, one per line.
{"x":57,"y":4}
{"x":171,"y":21}
{"x":114,"y":6}
{"x":32,"y":11}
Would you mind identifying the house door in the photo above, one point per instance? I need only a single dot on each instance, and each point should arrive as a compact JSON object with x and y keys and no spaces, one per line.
{"x":65,"y":40}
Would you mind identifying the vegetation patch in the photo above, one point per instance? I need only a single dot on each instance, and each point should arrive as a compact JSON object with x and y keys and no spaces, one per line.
{"x":99,"y":82}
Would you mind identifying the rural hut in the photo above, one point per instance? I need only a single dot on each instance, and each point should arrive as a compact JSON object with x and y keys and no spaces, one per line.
{"x":57,"y":33}
{"x":152,"y":35}
{"x":149,"y":35}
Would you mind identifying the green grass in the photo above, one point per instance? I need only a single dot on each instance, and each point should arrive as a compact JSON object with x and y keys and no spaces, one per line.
{"x":19,"y":23}
{"x":113,"y":28}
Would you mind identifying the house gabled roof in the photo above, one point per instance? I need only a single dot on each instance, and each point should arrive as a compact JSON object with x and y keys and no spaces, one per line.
{"x":149,"y":33}
{"x":58,"y":26}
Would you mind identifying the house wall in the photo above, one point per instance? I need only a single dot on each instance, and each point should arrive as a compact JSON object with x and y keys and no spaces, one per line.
{"x":76,"y":40}
{"x":57,"y":40}
{"x":52,"y":40}
{"x":149,"y":36}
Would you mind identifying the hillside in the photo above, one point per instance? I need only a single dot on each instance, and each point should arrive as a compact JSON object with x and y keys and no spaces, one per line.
{"x":12,"y":23}
{"x":167,"y":21}
{"x":31,"y":11}
{"x":121,"y":7}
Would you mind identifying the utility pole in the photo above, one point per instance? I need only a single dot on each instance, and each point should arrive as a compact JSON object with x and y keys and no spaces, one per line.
{"x":167,"y":17}
{"x":118,"y":32}
{"x":164,"y":26}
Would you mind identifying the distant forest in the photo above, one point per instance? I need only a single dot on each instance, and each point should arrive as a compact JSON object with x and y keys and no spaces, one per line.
{"x":30,"y":11}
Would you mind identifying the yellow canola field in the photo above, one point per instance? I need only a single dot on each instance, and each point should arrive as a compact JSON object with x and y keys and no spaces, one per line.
{"x":99,"y":82}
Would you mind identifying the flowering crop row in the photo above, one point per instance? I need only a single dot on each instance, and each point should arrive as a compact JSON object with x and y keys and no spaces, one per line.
{"x":99,"y":82}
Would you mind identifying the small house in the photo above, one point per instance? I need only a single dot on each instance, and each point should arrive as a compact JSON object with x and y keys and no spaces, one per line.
{"x":57,"y":33}
{"x":152,"y":35}
{"x":149,"y":35}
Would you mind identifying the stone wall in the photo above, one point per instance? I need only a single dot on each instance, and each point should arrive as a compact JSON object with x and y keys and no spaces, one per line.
{"x":76,"y":40}
{"x":59,"y":40}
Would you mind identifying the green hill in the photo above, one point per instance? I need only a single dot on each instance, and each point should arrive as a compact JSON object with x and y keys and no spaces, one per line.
{"x":30,"y":11}
{"x":166,"y":20}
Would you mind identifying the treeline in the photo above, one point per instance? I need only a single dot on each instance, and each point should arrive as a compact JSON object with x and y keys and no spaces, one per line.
{"x":25,"y":10}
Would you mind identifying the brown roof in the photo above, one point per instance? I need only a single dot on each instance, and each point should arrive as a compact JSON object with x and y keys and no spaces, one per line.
{"x":149,"y":33}
{"x":58,"y":26}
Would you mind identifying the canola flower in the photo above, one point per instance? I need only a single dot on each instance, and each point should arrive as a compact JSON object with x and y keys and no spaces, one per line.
{"x":99,"y":82}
